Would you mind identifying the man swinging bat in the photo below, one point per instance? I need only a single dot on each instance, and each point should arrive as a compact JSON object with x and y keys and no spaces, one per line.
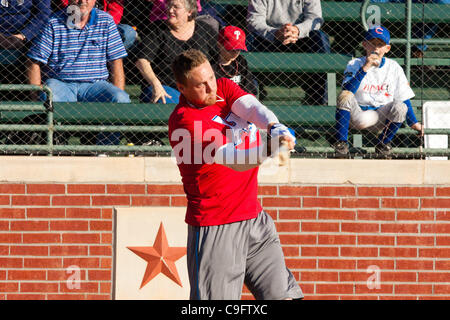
{"x":231,"y":239}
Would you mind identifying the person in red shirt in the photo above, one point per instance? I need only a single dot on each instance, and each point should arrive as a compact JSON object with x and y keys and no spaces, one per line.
{"x":115,"y":9}
{"x":214,"y":134}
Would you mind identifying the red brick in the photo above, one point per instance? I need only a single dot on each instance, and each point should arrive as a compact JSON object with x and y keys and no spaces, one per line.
{"x":165,"y":189}
{"x":316,"y":276}
{"x":398,"y":276}
{"x":267,"y":190}
{"x":297,"y":191}
{"x":4,"y":225}
{"x":415,"y":191}
{"x":358,"y":252}
{"x":410,"y":264}
{"x":6,"y":263}
{"x":106,"y":263}
{"x":398,"y":252}
{"x":81,"y":238}
{"x":5,"y":200}
{"x":27,"y":275}
{"x":360,"y":203}
{"x":443,"y":191}
{"x":435,"y":203}
{"x":439,"y":289}
{"x":443,"y":241}
{"x":320,"y":227}
{"x":400,"y":203}
{"x":337,"y":239}
{"x":415,"y":241}
{"x":29,"y":250}
{"x":415,"y":215}
{"x":376,"y":191}
{"x":281,"y":202}
{"x":336,"y":191}
{"x":107,"y":213}
{"x":399,"y":228}
{"x":50,"y":213}
{"x":83,"y":213}
{"x":359,"y":227}
{"x":100,"y":250}
{"x":298,"y":214}
{"x":29,"y":225}
{"x":85,"y":287}
{"x":434,"y":253}
{"x":150,"y":201}
{"x":12,"y":213}
{"x":383,"y":264}
{"x":106,"y":238}
{"x":443,"y":216}
{"x":47,"y":263}
{"x":4,"y":250}
{"x":30,"y":200}
{"x":435,"y":228}
{"x":105,"y":287}
{"x":413,"y":289}
{"x":66,"y":297}
{"x":125,"y":189}
{"x":376,"y":240}
{"x":321,"y":202}
{"x":287,"y":226}
{"x":10,"y":238}
{"x":12,"y":188}
{"x":433,"y":277}
{"x":338,"y":288}
{"x":337,"y":264}
{"x":99,"y":275}
{"x":46,"y":188}
{"x":82,"y":263}
{"x":298,"y":239}
{"x":69,"y":225}
{"x":86,"y":188}
{"x":41,"y":238}
{"x":9,"y":287}
{"x":100,"y":225}
{"x":71,"y":200}
{"x":178,"y":201}
{"x":383,"y":215}
{"x":337,"y":214}
{"x":291,"y":251}
{"x":68,"y":250}
{"x":41,"y":287}
{"x":443,"y":264}
{"x":26,"y":296}
{"x":353,"y":276}
{"x":319,"y":251}
{"x":383,"y":289}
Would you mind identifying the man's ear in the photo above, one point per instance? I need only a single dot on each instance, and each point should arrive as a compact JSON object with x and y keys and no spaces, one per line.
{"x":388,"y":48}
{"x":180,"y":87}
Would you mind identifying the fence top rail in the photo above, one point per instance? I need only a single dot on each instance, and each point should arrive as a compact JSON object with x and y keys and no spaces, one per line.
{"x":350,"y":11}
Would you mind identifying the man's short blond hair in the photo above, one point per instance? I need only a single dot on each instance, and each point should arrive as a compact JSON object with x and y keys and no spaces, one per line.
{"x":185,"y":62}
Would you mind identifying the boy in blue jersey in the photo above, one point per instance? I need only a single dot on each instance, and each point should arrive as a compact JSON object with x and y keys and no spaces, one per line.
{"x":376,"y":96}
{"x":77,"y":46}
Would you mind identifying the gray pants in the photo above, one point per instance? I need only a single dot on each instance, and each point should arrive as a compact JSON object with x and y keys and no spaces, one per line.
{"x":221,"y":258}
{"x":372,"y":120}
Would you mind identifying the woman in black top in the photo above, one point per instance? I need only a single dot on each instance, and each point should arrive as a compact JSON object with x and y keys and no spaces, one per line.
{"x":231,"y":64}
{"x":163,"y":41}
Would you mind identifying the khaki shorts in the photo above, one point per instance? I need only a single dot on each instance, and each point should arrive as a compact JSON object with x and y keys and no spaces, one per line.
{"x":222,"y":258}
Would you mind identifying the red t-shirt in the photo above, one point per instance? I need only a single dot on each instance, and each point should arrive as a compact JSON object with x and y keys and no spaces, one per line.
{"x":216,"y":194}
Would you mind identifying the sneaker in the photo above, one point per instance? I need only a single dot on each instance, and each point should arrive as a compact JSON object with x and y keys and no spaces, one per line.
{"x":341,"y":149}
{"x":383,"y":150}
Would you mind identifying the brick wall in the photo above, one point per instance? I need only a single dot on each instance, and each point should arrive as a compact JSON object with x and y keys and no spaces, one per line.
{"x":331,"y":235}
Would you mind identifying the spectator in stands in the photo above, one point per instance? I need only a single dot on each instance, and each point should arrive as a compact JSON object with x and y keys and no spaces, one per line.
{"x":76,"y":51}
{"x":375,"y":96}
{"x":419,"y":30}
{"x":231,"y":64}
{"x":290,"y":26}
{"x":159,"y":12}
{"x":115,"y":9}
{"x":163,"y":41}
{"x":20,"y":22}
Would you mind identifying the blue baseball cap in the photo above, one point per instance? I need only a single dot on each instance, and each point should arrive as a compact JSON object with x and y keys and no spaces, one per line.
{"x":378,"y":32}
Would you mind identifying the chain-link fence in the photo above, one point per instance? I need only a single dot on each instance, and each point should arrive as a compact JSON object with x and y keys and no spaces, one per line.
{"x":108,"y":87}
